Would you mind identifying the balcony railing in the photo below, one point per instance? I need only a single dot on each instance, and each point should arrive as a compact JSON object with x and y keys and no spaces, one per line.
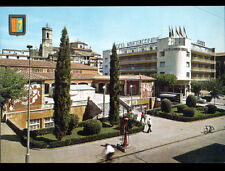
{"x":142,"y":61}
{"x":201,"y":78}
{"x":138,"y":69}
{"x":200,"y":60}
{"x":203,"y":69}
{"x":202,"y":49}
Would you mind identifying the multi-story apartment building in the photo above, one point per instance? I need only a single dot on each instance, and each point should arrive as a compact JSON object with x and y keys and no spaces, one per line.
{"x":220,"y":64}
{"x":179,"y":56}
{"x":137,"y":57}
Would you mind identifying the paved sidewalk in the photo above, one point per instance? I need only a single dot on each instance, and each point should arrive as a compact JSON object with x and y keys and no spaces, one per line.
{"x":164,"y":132}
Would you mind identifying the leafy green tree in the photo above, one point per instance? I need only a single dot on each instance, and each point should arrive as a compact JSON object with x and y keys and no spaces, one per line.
{"x":164,"y":81}
{"x":114,"y":87}
{"x":196,"y":87}
{"x":215,"y":88}
{"x":222,"y":79}
{"x":11,"y":86}
{"x":62,"y":101}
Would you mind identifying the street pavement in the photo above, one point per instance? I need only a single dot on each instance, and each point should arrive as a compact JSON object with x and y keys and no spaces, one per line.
{"x":167,"y":140}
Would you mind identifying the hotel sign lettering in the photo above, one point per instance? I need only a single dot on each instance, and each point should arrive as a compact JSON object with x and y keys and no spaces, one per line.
{"x":138,"y":42}
{"x":202,"y":43}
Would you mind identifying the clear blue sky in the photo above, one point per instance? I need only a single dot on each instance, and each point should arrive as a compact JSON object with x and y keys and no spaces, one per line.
{"x":101,"y":26}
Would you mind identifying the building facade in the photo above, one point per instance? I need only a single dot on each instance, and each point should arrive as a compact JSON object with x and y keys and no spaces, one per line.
{"x":42,"y":81}
{"x":80,"y":52}
{"x":220,"y":64}
{"x":179,"y":56}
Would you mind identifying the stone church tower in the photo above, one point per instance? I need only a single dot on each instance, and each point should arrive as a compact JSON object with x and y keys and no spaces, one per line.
{"x":46,"y":41}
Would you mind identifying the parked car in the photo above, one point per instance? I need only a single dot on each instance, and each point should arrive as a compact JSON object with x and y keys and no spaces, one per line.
{"x":201,"y":100}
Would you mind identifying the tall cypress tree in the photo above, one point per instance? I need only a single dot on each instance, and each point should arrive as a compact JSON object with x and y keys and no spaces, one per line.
{"x":62,"y":101}
{"x":114,"y":87}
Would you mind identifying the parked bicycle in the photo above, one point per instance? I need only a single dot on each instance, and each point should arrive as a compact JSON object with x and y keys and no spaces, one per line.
{"x":208,"y":129}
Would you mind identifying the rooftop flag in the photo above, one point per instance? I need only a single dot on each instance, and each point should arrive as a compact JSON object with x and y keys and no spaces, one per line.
{"x":181,"y":32}
{"x":185,"y":32}
{"x":170,"y":33}
{"x":177,"y":31}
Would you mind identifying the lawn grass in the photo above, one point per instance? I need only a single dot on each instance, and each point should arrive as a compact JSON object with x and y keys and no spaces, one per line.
{"x":78,"y":133}
{"x":78,"y":136}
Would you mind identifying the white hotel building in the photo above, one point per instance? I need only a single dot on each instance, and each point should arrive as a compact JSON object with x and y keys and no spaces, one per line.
{"x":179,"y":56}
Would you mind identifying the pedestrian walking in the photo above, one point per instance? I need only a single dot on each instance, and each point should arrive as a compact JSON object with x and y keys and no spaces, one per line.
{"x":142,"y":117}
{"x":109,"y":151}
{"x":145,"y":117}
{"x":149,"y":123}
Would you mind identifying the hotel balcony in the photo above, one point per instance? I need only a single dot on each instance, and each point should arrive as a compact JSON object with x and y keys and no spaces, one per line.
{"x":201,"y":60}
{"x":137,"y":53}
{"x":138,"y":61}
{"x":201,"y":78}
{"x":138,"y":69}
{"x":196,"y":69}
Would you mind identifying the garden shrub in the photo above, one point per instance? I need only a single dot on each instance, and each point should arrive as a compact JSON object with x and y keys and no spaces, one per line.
{"x":92,"y":126}
{"x":211,"y":109}
{"x":38,"y":132}
{"x":166,"y":105}
{"x":180,"y":108}
{"x":33,"y":143}
{"x":81,"y":124}
{"x":200,"y":108}
{"x":191,"y":101}
{"x":72,"y":120}
{"x":188,"y":112}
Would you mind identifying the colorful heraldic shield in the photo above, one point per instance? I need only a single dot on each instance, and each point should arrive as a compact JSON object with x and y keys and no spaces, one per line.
{"x":17,"y":24}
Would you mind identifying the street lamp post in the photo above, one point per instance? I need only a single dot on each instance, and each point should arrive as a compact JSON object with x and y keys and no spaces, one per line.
{"x":104,"y":100}
{"x":131,"y":88}
{"x":28,"y":115}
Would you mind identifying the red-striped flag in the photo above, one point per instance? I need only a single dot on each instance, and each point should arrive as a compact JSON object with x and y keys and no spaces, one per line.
{"x":181,"y":32}
{"x":177,"y":31}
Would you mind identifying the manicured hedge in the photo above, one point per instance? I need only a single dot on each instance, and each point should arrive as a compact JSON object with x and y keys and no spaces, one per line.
{"x":211,"y":109}
{"x":92,"y":126}
{"x":182,"y":118}
{"x":39,"y":142}
{"x":35,"y":133}
{"x":94,"y":137}
{"x":166,"y":105}
{"x":180,"y":108}
{"x":73,"y":141}
{"x":191,"y":101}
{"x":188,"y":112}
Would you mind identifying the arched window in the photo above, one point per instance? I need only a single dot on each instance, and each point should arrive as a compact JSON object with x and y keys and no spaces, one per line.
{"x":47,"y":35}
